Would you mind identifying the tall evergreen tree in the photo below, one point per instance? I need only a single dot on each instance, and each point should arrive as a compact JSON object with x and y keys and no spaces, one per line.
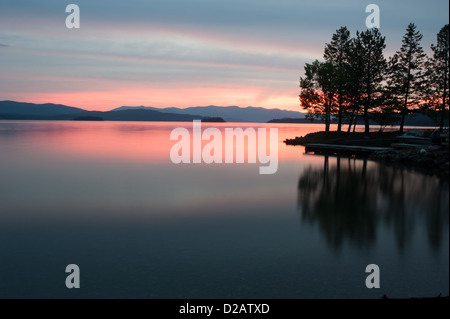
{"x":317,"y":94}
{"x":336,"y":52}
{"x":374,"y":64}
{"x":438,"y":76}
{"x":406,"y":73}
{"x":355,"y":73}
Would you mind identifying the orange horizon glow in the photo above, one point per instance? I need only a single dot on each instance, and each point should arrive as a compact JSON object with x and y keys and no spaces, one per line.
{"x":242,"y":96}
{"x":259,"y":82}
{"x":102,"y":93}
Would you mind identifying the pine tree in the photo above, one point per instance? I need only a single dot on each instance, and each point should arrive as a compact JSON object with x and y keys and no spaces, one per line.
{"x":355,"y":73}
{"x":438,"y":75}
{"x":336,"y":52}
{"x":406,"y":73}
{"x":317,"y":94}
{"x":371,"y":45}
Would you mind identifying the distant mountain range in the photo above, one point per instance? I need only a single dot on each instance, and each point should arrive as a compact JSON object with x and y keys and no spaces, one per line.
{"x":10,"y":110}
{"x":29,"y":111}
{"x":228,"y":113}
{"x":44,"y":110}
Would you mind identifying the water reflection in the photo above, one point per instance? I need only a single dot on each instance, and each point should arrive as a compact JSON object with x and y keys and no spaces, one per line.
{"x":107,"y":197}
{"x":351,"y":200}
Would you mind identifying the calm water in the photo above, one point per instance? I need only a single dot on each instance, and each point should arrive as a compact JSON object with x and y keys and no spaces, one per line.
{"x":106,"y":196}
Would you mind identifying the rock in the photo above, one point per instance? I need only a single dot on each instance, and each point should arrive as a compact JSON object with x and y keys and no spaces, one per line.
{"x":433,"y":161}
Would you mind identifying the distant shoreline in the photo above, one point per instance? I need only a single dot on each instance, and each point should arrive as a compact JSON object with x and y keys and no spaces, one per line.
{"x":12,"y":110}
{"x":211,"y":113}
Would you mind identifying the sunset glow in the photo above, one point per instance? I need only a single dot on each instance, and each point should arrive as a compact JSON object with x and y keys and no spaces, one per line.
{"x":152,"y":54}
{"x":163,"y":97}
{"x":224,"y":157}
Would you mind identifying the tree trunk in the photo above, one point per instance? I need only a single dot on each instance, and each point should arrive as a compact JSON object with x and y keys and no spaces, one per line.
{"x":356,"y":121}
{"x":369,"y":95}
{"x":405,"y":104}
{"x":351,"y":121}
{"x":366,"y":118}
{"x":339,"y":128}
{"x":402,"y":121}
{"x":443,"y":101}
{"x":354,"y":115}
{"x":403,"y":114}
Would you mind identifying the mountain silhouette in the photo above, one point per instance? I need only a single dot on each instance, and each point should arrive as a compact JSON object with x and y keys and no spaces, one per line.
{"x":228,"y":113}
{"x":47,"y":109}
{"x":10,"y":110}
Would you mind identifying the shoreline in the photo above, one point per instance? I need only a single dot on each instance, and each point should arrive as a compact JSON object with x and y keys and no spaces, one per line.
{"x":427,"y":159}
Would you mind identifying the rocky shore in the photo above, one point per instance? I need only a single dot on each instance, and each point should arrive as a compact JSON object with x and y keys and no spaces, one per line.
{"x":428,"y":159}
{"x":341,"y":138}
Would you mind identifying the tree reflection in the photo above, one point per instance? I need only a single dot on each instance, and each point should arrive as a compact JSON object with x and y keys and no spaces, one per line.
{"x":349,"y":199}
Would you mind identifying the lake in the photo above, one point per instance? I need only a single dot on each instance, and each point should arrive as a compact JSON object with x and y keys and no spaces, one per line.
{"x":107,"y":197}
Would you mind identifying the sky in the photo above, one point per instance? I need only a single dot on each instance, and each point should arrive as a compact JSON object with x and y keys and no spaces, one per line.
{"x":181,"y":53}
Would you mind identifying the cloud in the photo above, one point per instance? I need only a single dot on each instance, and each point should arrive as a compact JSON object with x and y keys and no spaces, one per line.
{"x":160,"y":46}
{"x":269,"y":21}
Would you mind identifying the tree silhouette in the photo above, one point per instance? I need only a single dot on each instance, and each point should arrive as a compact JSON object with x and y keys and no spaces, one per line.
{"x":355,"y":75}
{"x":438,"y":73}
{"x":371,"y":45}
{"x":406,"y":73}
{"x":355,"y":79}
{"x":318,"y":90}
{"x":336,"y":52}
